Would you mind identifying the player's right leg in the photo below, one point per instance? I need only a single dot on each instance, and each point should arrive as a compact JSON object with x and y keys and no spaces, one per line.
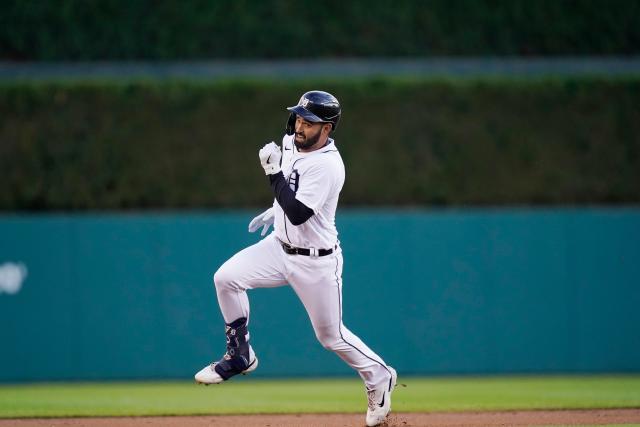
{"x":258,"y":266}
{"x":321,"y":294}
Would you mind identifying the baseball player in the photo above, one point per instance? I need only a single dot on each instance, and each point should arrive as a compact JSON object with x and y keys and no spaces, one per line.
{"x":303,"y":250}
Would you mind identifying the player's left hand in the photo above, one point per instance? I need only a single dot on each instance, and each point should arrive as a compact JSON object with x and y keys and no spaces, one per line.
{"x":270,"y":156}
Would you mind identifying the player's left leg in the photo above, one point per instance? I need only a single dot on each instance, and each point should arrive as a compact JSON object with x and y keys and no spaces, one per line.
{"x":258,"y":266}
{"x":318,"y":284}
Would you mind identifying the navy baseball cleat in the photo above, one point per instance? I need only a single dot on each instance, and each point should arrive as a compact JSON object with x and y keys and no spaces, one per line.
{"x":239,"y":358}
{"x":379,"y":400}
{"x":225,"y":368}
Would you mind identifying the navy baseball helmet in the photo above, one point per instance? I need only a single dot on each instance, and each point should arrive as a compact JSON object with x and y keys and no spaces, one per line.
{"x":315,"y":106}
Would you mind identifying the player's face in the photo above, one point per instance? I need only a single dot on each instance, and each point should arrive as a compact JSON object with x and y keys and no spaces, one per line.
{"x":307,"y":133}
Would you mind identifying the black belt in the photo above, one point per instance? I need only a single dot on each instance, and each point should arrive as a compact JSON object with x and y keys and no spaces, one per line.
{"x":292,"y":250}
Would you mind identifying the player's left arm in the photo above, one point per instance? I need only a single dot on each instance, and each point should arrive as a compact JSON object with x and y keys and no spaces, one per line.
{"x":297,"y":212}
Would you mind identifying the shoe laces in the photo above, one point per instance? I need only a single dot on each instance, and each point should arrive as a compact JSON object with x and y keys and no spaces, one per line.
{"x":225,"y":357}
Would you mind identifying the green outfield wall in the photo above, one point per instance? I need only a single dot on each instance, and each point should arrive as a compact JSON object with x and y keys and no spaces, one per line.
{"x":106,"y":296}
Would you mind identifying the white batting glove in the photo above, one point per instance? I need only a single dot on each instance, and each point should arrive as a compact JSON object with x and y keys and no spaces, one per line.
{"x":264,"y":220}
{"x":270,"y":156}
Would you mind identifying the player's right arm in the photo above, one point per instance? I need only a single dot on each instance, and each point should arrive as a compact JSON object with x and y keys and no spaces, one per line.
{"x":264,"y":220}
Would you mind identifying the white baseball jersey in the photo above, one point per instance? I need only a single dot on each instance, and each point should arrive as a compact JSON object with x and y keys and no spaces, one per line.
{"x":316,"y":178}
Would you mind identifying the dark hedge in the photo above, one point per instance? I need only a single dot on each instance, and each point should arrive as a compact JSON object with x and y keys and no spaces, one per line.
{"x":194,"y":145}
{"x":195,"y":29}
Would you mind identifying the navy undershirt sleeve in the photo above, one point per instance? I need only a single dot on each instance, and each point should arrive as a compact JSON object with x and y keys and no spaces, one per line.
{"x":297,"y":212}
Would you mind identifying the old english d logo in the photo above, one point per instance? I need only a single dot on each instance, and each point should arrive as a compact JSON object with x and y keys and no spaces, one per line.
{"x":293,"y":180}
{"x":305,"y":102}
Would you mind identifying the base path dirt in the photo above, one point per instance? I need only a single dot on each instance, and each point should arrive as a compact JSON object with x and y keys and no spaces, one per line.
{"x":434,"y":419}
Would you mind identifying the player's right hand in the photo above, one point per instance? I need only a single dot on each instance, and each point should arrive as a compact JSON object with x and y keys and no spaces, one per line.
{"x":264,"y":220}
{"x":270,"y":156}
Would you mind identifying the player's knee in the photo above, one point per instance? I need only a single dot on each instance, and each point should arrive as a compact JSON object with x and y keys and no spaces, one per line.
{"x":222,"y":279}
{"x":329,"y":339}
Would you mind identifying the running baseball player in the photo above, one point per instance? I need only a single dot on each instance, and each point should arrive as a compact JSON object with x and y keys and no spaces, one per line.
{"x":303,"y":250}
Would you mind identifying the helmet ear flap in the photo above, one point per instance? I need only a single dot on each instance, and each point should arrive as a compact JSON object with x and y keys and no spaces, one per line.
{"x":290,"y":129}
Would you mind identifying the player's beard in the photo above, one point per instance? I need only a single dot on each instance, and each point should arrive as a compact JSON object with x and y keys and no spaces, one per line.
{"x":308,"y":141}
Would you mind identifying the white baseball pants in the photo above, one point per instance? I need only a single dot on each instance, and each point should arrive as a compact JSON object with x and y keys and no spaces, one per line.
{"x":318,"y":283}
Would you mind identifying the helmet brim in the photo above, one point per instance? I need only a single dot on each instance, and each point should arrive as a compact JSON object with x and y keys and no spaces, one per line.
{"x":306,"y":114}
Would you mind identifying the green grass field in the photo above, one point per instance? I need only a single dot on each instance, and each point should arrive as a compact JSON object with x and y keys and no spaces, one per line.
{"x":250,"y":395}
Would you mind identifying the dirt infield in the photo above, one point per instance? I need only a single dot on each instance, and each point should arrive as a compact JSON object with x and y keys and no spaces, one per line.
{"x":435,"y":419}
